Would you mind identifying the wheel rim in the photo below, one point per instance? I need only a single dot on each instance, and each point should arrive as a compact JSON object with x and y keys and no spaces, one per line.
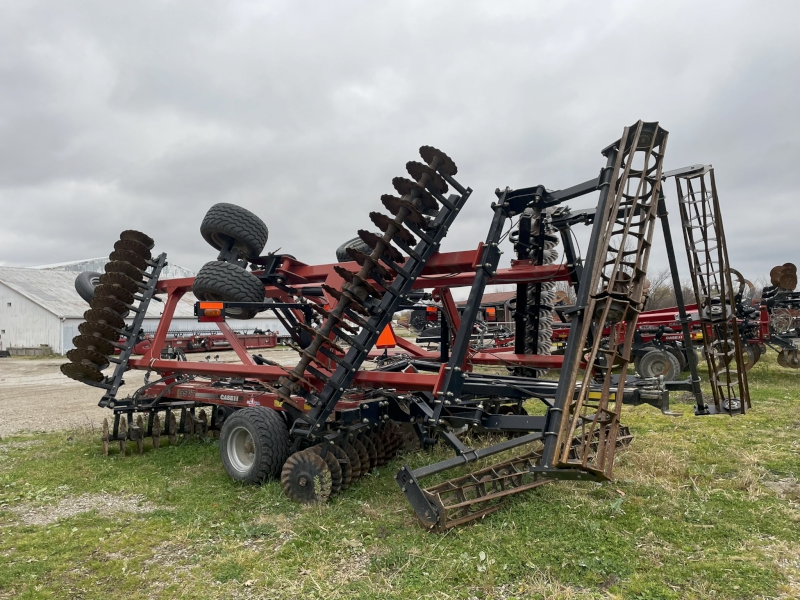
{"x":241,"y":450}
{"x":658,"y":367}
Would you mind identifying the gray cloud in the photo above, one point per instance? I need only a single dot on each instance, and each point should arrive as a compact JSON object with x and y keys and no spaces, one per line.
{"x":143,"y":115}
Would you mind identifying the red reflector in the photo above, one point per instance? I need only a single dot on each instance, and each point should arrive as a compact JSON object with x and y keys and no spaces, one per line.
{"x":431,"y":313}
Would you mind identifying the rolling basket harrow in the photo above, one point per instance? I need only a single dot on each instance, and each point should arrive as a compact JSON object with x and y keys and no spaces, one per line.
{"x":323,"y":423}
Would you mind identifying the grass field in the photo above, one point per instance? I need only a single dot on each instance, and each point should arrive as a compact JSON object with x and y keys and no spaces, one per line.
{"x":701,"y":508}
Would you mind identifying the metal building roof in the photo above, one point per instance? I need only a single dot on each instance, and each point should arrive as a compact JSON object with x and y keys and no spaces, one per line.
{"x":97,"y":264}
{"x":54,"y":290}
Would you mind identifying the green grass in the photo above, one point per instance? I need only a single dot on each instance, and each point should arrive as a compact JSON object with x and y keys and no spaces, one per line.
{"x":703,"y":507}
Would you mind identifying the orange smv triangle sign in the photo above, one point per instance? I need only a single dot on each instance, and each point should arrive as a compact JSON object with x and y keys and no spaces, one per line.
{"x":387,"y":338}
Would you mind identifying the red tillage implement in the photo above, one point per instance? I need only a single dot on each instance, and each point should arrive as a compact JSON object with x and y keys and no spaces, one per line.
{"x":322,"y":423}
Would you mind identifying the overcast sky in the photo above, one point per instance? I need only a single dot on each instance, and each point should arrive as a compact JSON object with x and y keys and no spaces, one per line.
{"x":141,"y":115}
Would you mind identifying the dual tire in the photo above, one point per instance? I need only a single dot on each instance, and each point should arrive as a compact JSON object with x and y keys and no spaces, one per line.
{"x":224,"y":225}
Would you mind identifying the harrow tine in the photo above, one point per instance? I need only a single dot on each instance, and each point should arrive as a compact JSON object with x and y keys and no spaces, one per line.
{"x":172,"y":428}
{"x":201,"y":423}
{"x":137,"y":434}
{"x":156,"y":435}
{"x":122,"y":433}
{"x":187,"y":425}
{"x":104,"y":437}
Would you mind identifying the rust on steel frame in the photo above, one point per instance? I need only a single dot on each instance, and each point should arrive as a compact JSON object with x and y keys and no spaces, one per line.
{"x":614,"y":295}
{"x":710,"y":271}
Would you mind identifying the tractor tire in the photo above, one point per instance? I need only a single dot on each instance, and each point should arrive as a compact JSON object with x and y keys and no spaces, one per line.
{"x":637,"y":360}
{"x":224,"y":222}
{"x":225,"y":282}
{"x":683,"y":362}
{"x":357,"y":244}
{"x":254,"y":444}
{"x":657,"y":363}
{"x":85,"y":284}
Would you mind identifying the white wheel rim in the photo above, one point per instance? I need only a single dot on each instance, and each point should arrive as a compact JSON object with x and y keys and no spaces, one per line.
{"x":241,"y":450}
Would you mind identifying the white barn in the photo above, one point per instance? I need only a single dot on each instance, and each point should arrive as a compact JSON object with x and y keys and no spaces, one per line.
{"x":39,"y":305}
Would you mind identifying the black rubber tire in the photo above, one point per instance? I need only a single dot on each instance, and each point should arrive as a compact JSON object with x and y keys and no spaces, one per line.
{"x":225,"y":282}
{"x":85,"y":283}
{"x":656,"y":363}
{"x":637,"y":359}
{"x":679,"y":355}
{"x":356,"y":243}
{"x":271,"y":444}
{"x":227,"y":221}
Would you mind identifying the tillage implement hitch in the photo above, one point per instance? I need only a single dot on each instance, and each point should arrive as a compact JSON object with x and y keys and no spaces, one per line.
{"x":322,"y":423}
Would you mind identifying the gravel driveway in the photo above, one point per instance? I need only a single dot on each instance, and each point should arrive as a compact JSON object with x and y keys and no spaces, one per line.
{"x":35,"y":396}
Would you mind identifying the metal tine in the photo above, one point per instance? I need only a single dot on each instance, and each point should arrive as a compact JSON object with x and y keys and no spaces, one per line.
{"x":104,"y":438}
{"x":172,"y":428}
{"x":137,"y":434}
{"x":122,"y":432}
{"x":155,"y":430}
